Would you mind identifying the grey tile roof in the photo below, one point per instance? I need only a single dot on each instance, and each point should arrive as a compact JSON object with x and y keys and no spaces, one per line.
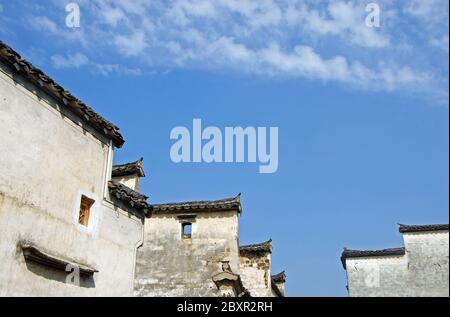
{"x":48,"y":85}
{"x":280,"y":277}
{"x":200,"y":206}
{"x":370,"y":253}
{"x":422,"y":228}
{"x":128,"y":196}
{"x":265,"y":247}
{"x":128,"y":169}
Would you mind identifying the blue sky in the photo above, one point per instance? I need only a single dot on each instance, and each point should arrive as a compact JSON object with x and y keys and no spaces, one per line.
{"x":362,"y":112}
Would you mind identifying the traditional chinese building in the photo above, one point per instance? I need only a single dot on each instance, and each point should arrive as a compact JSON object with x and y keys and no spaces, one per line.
{"x":255,"y":264}
{"x":71,"y":223}
{"x":66,"y":230}
{"x":192,"y":249}
{"x":420,"y":268}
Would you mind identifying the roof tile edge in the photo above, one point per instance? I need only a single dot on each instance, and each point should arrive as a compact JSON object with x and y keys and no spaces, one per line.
{"x":48,"y":85}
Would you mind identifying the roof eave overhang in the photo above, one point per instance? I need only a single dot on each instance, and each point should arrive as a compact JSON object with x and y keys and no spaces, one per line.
{"x":46,"y":84}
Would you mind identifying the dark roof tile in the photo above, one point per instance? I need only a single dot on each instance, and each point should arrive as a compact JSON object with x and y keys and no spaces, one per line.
{"x":422,"y":228}
{"x":279,"y":278}
{"x":128,"y":196}
{"x":370,"y":253}
{"x":128,"y":169}
{"x":265,"y":247}
{"x":39,"y":78}
{"x":199,"y":206}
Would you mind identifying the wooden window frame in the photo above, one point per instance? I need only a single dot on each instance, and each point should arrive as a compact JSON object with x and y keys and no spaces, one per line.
{"x":85,"y":210}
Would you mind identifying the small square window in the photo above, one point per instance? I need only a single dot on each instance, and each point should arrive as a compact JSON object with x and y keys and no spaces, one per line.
{"x":187,"y":230}
{"x":85,"y":210}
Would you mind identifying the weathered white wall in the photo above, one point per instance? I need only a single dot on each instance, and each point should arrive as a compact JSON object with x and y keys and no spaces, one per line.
{"x":129,"y":181}
{"x":427,"y":263}
{"x":255,"y":274}
{"x":168,"y":265}
{"x":46,"y":163}
{"x":422,"y":271}
{"x":376,"y":276}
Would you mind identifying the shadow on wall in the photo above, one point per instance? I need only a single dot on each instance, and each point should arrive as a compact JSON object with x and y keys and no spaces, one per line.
{"x":58,"y":275}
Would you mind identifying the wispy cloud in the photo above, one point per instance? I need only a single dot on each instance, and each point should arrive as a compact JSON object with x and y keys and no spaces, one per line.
{"x":131,"y":45}
{"x":317,"y":40}
{"x":107,"y":69}
{"x":441,"y":42}
{"x":432,"y":11}
{"x":44,"y":23}
{"x":343,"y":19}
{"x":433,"y":16}
{"x":79,"y":60}
{"x":71,"y":61}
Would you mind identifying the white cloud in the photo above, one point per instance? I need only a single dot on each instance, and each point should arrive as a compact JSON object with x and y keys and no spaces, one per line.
{"x":304,"y":61}
{"x":428,"y":10}
{"x":49,"y":26}
{"x":259,"y":14}
{"x":434,"y":18}
{"x":442,"y":42}
{"x":44,"y":23}
{"x":78,"y":60}
{"x":113,"y":16}
{"x":131,"y":45}
{"x":318,"y":40}
{"x":137,"y":7}
{"x":343,"y":19}
{"x":70,"y":61}
{"x":301,"y":61}
{"x":107,"y":69}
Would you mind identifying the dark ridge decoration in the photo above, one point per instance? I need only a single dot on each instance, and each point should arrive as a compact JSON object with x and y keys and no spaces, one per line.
{"x":198,"y":206}
{"x":370,"y":253}
{"x":129,"y":169}
{"x":280,"y":277}
{"x":265,"y":247}
{"x":422,"y":228}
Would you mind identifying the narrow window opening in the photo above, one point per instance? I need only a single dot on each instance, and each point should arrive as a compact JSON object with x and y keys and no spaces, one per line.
{"x":85,"y":210}
{"x":187,"y":230}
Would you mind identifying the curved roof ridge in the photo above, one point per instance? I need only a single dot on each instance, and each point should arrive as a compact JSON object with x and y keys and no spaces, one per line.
{"x":422,"y":228}
{"x":126,"y":169}
{"x":259,"y":247}
{"x":280,"y":277}
{"x":233,"y":203}
{"x":371,"y":253}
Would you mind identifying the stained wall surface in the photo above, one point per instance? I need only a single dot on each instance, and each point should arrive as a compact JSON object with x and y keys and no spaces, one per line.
{"x":48,"y":160}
